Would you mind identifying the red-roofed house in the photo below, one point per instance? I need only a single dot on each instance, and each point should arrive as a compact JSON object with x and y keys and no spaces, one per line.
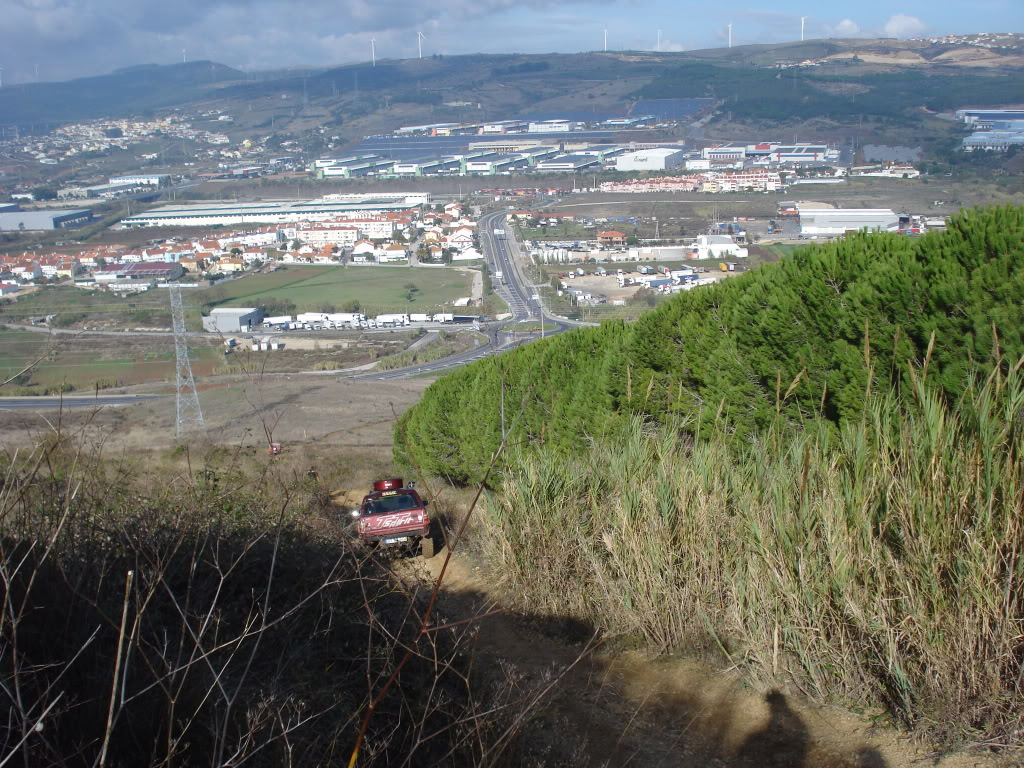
{"x":393,"y":252}
{"x":611,"y":237}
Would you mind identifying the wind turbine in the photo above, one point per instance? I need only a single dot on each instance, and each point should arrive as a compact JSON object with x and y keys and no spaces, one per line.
{"x":658,"y":47}
{"x":730,"y":34}
{"x":182,"y":55}
{"x":373,"y":51}
{"x":1,"y":77}
{"x":606,"y":39}
{"x":803,"y":19}
{"x":419,"y":41}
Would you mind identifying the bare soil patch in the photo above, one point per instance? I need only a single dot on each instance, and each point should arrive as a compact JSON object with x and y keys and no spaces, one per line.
{"x":298,"y":409}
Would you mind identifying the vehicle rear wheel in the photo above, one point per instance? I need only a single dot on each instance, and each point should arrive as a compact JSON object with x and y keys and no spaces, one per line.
{"x":427,"y":547}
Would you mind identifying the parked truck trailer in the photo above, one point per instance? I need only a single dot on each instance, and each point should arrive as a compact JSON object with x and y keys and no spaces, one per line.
{"x":394,"y":320}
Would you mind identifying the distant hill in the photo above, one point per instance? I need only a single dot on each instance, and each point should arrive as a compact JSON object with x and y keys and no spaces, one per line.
{"x":828,"y":76}
{"x":132,"y":90}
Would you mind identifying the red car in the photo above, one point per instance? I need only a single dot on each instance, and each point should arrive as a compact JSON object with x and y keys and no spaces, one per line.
{"x":395,"y":516}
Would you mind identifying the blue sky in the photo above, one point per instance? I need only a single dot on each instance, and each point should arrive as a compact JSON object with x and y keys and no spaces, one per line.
{"x":67,"y":38}
{"x":688,"y":25}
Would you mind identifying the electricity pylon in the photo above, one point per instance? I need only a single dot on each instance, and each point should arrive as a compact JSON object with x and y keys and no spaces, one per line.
{"x":188,"y":410}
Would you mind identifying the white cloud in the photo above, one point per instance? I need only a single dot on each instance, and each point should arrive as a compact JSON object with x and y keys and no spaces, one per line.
{"x":902,"y":25}
{"x":79,"y":37}
{"x":846,"y":28}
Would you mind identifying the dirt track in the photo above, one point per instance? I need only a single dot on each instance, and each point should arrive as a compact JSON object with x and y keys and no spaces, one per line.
{"x":628,"y":709}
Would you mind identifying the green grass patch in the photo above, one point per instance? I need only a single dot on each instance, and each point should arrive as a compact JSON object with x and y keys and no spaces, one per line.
{"x":75,"y":306}
{"x":373,"y":287}
{"x":84,"y":362}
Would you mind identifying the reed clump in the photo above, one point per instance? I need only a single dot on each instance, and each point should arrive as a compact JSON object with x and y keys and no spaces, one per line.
{"x":877,"y":564}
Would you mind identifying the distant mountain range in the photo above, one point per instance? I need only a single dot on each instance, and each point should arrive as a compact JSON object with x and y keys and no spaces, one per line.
{"x":130,"y":91}
{"x":495,"y":84}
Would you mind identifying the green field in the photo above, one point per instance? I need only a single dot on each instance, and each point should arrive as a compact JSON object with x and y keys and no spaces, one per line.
{"x":74,"y":307}
{"x":84,"y":362}
{"x":378,"y":288}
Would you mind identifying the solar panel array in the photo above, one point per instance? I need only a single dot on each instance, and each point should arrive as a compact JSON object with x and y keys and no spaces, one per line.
{"x":670,"y":109}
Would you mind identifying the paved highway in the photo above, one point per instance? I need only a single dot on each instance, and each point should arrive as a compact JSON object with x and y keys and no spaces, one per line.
{"x":46,"y":403}
{"x":502,"y":255}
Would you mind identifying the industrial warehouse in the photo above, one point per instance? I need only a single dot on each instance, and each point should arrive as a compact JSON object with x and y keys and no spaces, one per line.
{"x":274,"y":212}
{"x":13,"y":219}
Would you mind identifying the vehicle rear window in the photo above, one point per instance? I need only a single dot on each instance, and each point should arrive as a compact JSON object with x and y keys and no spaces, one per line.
{"x":400,"y":502}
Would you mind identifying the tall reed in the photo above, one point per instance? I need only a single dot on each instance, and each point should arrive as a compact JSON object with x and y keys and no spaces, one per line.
{"x":876,"y":565}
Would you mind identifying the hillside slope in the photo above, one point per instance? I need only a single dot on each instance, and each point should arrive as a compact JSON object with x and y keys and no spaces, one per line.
{"x":129,"y":91}
{"x":805,"y":338}
{"x":810,"y":474}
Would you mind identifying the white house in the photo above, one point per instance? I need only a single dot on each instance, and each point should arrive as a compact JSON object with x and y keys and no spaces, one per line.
{"x":363,"y":248}
{"x":393,"y":252}
{"x":250,"y":255}
{"x":461,"y":238}
{"x":717,"y":247}
{"x":469,"y":254}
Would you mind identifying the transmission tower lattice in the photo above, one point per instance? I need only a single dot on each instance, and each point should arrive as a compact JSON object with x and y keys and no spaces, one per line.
{"x":189,"y":413}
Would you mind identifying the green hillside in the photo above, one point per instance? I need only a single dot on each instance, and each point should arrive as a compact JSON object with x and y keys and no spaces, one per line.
{"x":810,"y":474}
{"x":806,"y":338}
{"x":768,"y":94}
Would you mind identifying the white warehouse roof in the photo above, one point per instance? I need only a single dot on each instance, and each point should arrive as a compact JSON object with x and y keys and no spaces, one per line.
{"x":838,"y":221}
{"x":232,"y":311}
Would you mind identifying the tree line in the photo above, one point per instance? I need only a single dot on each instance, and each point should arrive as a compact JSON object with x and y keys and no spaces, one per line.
{"x":805,"y":339}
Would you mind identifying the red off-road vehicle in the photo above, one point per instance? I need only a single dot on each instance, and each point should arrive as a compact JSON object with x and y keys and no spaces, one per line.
{"x":395,"y":516}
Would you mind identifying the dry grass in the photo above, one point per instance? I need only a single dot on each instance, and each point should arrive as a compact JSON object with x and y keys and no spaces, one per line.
{"x":878,"y":566}
{"x":204,"y":607}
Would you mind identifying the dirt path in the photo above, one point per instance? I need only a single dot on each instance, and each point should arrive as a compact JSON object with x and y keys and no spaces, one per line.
{"x":628,"y":709}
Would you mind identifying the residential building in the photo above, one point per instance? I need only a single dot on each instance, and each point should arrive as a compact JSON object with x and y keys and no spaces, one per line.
{"x":343,"y":236}
{"x":363,"y":248}
{"x":226,"y":264}
{"x":611,"y":237}
{"x":393,"y":252}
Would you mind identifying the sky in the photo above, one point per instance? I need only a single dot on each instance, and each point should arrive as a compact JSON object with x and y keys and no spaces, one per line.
{"x":63,"y":39}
